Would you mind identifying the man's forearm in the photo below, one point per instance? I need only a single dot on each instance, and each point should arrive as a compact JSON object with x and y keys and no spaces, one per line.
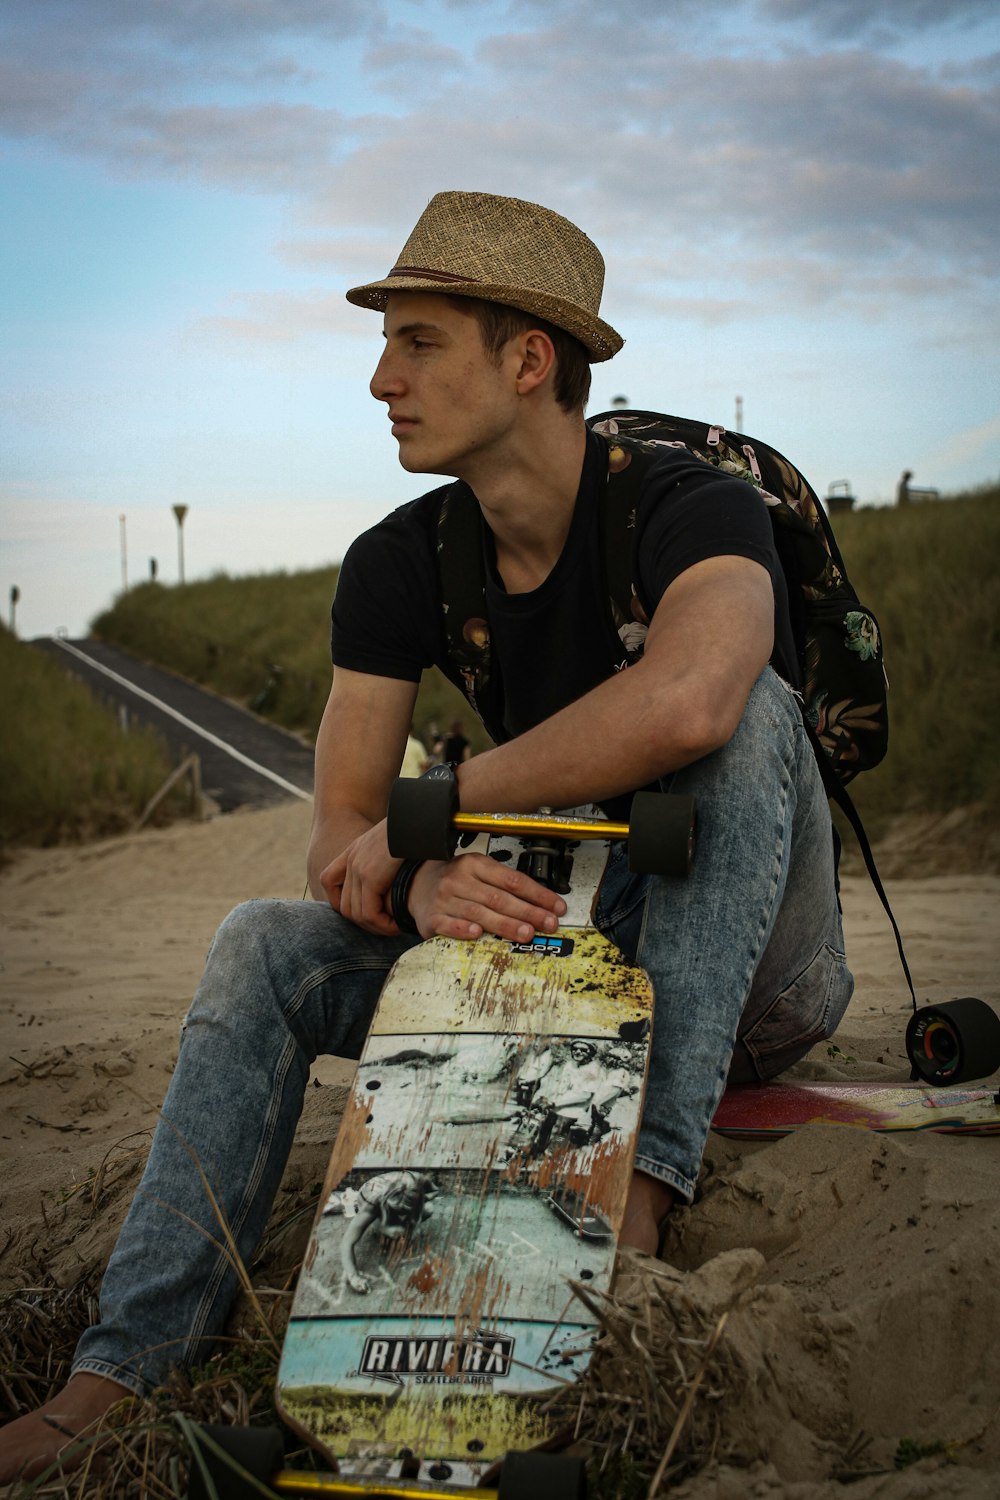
{"x":708,"y":643}
{"x":619,"y":737}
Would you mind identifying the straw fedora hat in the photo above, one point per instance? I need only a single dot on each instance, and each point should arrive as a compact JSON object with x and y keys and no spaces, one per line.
{"x":503,"y":250}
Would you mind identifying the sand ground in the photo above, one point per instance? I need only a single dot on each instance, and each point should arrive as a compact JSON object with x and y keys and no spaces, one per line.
{"x":861,"y":1272}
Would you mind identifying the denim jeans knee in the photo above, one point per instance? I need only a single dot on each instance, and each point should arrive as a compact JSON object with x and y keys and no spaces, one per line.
{"x":807,"y":1011}
{"x":284,"y":980}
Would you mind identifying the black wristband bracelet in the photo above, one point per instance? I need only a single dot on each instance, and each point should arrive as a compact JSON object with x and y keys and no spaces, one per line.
{"x":398,"y":894}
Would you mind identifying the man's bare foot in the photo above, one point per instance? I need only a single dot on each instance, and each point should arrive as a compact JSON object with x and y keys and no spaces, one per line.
{"x":33,"y":1442}
{"x":649,"y":1200}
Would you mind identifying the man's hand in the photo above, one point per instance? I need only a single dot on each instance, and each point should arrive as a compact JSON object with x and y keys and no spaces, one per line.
{"x":472,"y":894}
{"x":357,"y":882}
{"x":462,"y":897}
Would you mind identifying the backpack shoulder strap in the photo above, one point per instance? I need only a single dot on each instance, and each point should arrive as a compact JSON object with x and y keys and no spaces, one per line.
{"x":462,"y":576}
{"x":629,"y":462}
{"x":619,"y":502}
{"x":837,"y":792}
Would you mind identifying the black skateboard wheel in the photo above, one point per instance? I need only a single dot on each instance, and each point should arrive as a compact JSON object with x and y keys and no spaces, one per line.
{"x":259,"y":1451}
{"x":954,"y":1041}
{"x":661,"y":834}
{"x":542,"y":1476}
{"x":420,"y":814}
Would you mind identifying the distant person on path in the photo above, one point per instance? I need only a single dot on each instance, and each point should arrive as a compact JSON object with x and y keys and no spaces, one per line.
{"x":903,"y":487}
{"x":490,"y":325}
{"x":456,"y":746}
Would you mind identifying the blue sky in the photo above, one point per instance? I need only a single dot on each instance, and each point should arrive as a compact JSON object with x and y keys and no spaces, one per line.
{"x":796,"y":200}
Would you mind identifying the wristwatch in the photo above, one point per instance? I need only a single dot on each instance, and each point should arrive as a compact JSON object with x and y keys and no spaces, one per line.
{"x":445,"y":770}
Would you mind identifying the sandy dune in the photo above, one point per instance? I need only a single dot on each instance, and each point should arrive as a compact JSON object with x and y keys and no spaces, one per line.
{"x":861,"y":1272}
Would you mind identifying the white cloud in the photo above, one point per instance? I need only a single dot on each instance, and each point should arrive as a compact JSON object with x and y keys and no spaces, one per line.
{"x":260,"y":148}
{"x":879,"y":19}
{"x":965,"y":447}
{"x":800,"y":197}
{"x":648,"y":133}
{"x":407,"y":58}
{"x":284,"y":317}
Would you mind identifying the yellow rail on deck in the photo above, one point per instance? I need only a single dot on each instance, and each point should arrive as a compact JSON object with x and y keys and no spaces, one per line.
{"x":554,"y":824}
{"x":292,"y":1482}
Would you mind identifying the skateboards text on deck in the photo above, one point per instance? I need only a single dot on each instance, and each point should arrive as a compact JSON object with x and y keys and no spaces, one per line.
{"x":774,"y":1109}
{"x":480,"y":1173}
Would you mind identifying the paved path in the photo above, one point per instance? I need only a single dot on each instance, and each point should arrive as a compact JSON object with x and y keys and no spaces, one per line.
{"x":244,"y":761}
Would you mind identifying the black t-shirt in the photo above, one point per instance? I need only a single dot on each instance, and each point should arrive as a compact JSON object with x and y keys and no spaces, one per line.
{"x":554,"y":643}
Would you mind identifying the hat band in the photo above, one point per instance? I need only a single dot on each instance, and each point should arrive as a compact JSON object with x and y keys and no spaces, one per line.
{"x":425,"y":273}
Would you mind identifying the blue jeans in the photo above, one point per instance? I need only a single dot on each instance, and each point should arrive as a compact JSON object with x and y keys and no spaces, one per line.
{"x":746,"y":954}
{"x":746,"y":959}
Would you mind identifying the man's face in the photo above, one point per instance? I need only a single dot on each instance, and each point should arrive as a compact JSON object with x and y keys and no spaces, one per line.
{"x":450,"y":405}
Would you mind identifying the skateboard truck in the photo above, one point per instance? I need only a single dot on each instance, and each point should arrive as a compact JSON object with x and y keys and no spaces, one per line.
{"x":424,"y":823}
{"x":244,"y":1463}
{"x":548,"y":860}
{"x":547,"y":863}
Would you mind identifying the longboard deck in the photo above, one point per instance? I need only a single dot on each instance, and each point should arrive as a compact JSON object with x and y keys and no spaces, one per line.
{"x":774,"y":1109}
{"x":468,"y":1188}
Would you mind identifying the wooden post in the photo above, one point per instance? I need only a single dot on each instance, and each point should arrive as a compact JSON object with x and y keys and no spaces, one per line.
{"x":191,"y":766}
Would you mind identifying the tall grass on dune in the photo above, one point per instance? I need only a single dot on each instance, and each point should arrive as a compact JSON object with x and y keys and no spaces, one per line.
{"x":67,"y":770}
{"x":262,"y":640}
{"x":928,"y":571}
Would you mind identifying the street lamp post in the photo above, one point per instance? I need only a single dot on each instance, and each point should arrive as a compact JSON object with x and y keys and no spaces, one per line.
{"x":180,"y":511}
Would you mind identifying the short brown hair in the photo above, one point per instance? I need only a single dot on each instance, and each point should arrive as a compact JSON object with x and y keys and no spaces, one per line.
{"x":498,"y":324}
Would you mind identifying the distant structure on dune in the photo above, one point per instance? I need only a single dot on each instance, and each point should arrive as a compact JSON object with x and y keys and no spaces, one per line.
{"x":909,"y":494}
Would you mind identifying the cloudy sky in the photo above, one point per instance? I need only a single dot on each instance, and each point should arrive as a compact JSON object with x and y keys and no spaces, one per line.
{"x":796,"y":200}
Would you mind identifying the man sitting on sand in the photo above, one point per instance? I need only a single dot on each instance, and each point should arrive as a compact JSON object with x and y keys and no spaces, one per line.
{"x":491,"y":322}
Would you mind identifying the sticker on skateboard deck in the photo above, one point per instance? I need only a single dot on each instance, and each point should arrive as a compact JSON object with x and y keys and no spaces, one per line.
{"x":773,"y":1109}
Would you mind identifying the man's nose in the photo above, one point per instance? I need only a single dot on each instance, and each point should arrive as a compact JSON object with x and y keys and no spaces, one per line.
{"x":385,"y":383}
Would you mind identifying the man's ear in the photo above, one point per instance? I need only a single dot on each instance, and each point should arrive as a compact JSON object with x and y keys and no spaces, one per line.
{"x":537,"y":360}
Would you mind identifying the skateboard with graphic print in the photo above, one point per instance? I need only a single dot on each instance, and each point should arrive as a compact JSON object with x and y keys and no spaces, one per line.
{"x":469,"y":1220}
{"x":762,"y":1111}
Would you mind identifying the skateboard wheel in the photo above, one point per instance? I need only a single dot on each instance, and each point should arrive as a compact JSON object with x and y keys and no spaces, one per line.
{"x":661,"y":834}
{"x":542,"y":1476}
{"x":257,"y":1450}
{"x":419,"y":821}
{"x":953,"y":1042}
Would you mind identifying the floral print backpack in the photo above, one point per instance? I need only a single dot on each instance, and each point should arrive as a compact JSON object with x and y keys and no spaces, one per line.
{"x":838,"y":639}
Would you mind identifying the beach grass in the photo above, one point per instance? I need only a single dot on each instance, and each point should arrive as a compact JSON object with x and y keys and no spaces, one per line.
{"x":928,"y":571}
{"x":67,"y":769}
{"x":262,"y":640}
{"x":652,"y":1403}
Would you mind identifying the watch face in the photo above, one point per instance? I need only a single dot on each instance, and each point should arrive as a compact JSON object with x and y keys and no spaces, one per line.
{"x":439,"y":773}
